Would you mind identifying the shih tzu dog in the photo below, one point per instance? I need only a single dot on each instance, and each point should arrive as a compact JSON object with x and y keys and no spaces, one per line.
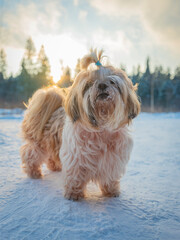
{"x":84,"y":131}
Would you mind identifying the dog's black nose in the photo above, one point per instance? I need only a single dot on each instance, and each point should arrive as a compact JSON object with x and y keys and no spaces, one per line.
{"x":102,"y":86}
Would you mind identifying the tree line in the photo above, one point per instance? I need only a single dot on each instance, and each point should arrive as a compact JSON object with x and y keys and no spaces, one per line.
{"x":158,"y":90}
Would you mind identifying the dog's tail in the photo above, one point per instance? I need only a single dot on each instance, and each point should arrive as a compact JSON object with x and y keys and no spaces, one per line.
{"x":40,"y":107}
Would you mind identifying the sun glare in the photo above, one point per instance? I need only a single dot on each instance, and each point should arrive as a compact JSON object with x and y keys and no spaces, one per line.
{"x":61,"y":49}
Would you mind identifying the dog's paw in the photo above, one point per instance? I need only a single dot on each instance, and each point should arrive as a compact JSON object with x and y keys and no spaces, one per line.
{"x":57,"y":168}
{"x":74,"y":196}
{"x":54,"y":165}
{"x":112,"y":194}
{"x":115,"y":194}
{"x":35,"y":175}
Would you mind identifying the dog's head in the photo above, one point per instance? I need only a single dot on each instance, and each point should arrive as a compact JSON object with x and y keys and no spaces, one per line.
{"x":103,"y":97}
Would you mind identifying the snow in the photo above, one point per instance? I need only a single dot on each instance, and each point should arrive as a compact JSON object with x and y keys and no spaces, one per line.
{"x":148,"y":207}
{"x":11,"y":113}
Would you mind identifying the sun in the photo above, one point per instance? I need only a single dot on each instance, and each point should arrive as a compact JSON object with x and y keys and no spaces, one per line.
{"x":61,"y":49}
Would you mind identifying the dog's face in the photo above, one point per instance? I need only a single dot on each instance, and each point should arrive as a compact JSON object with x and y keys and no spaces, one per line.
{"x":103,"y":98}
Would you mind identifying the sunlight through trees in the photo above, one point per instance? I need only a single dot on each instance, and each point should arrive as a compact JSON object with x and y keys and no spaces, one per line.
{"x":158,"y":89}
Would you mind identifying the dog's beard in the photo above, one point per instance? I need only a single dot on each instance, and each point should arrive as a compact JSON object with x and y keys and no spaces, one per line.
{"x":103,"y":103}
{"x":105,"y":109}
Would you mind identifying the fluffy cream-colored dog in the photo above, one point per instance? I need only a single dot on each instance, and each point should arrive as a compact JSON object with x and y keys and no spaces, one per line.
{"x":85,"y":131}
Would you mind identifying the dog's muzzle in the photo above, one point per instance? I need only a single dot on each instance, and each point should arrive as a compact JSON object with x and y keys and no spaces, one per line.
{"x":102,"y":91}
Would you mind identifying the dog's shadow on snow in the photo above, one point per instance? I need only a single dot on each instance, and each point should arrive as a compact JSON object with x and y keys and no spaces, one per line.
{"x":54,"y":181}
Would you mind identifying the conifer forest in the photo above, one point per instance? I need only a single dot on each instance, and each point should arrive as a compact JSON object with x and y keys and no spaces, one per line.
{"x":158,"y":88}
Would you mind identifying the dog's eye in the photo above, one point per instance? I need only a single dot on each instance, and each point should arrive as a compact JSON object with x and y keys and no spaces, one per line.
{"x":112,"y":82}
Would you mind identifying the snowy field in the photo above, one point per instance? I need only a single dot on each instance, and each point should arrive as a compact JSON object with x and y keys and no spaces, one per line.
{"x":148,"y":207}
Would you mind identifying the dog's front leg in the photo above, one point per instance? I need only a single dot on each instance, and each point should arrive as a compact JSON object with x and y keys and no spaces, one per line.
{"x":75,"y":183}
{"x":112,"y":189}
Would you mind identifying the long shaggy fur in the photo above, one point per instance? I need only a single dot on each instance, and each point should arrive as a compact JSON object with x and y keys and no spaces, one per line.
{"x":85,"y":131}
{"x":39,"y":109}
{"x":41,"y":129}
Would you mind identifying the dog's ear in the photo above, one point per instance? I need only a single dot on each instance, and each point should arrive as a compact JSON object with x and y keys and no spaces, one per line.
{"x":133,"y":104}
{"x":71,"y":107}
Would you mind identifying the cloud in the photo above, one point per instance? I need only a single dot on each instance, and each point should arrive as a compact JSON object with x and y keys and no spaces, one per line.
{"x":76,"y":2}
{"x":83,"y":14}
{"x":160,"y":18}
{"x":115,"y":8}
{"x":117,"y":45}
{"x":28,"y":20}
{"x":114,"y":41}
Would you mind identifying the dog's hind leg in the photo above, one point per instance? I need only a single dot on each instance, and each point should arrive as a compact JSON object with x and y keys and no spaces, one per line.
{"x":32,"y":158}
{"x":54,"y":163}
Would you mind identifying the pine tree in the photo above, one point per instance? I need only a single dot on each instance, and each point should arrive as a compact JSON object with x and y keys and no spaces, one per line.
{"x":25,"y":86}
{"x":43,"y":68}
{"x":65,"y":80}
{"x":136,"y":75}
{"x":176,"y":84}
{"x":123,"y":67}
{"x":77,"y":68}
{"x":29,"y":57}
{"x":144,"y":90}
{"x":3,"y":65}
{"x":147,"y":72}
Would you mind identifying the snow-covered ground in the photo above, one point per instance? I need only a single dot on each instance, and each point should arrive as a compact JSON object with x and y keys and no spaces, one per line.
{"x":148,"y":207}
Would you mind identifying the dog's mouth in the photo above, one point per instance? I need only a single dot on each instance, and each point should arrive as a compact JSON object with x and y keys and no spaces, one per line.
{"x":102,"y":96}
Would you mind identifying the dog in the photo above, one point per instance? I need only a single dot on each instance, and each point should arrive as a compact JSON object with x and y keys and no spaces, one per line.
{"x":84,"y":131}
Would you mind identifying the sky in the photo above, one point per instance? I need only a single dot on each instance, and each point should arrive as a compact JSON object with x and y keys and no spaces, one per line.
{"x":128,"y":31}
